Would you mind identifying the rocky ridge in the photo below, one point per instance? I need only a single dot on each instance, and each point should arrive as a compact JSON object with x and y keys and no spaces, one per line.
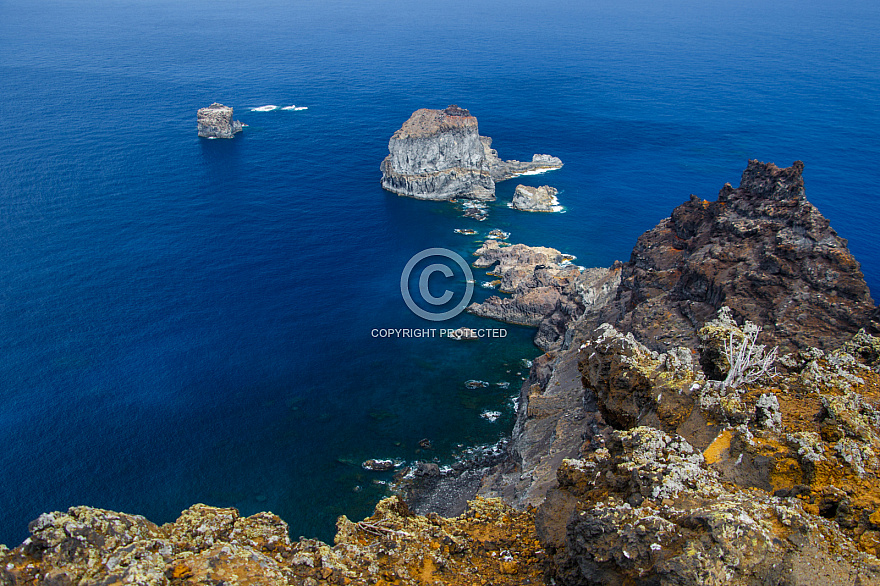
{"x":213,"y":546}
{"x":216,"y":121}
{"x":440,"y":155}
{"x":761,"y":249}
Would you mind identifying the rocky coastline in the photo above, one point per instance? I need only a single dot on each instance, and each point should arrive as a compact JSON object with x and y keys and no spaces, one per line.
{"x":440,"y":155}
{"x":646,"y":449}
{"x":216,"y":121}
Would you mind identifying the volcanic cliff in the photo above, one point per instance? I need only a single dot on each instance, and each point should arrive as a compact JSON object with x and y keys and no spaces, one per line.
{"x":440,"y":155}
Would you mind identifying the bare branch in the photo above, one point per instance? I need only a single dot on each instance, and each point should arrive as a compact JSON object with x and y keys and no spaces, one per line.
{"x":748,"y":360}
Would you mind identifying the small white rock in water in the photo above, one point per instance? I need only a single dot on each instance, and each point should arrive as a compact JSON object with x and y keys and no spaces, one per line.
{"x":378,"y":465}
{"x":465,"y":231}
{"x":490,"y":415}
{"x":503,"y":385}
{"x":476,"y":384}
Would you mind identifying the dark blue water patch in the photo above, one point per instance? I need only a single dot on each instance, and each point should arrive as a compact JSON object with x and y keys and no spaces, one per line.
{"x":186,"y":320}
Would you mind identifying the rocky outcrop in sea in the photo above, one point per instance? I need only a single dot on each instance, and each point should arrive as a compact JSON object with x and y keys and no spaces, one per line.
{"x":535,"y":199}
{"x":545,"y":289}
{"x":440,"y":155}
{"x":216,"y":121}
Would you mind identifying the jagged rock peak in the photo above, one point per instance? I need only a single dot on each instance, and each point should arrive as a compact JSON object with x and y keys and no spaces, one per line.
{"x":767,"y":181}
{"x":763,"y":250}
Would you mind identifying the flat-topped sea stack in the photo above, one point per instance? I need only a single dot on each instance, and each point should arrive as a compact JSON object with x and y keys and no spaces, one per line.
{"x":536,"y":199}
{"x":216,"y":121}
{"x":440,"y":155}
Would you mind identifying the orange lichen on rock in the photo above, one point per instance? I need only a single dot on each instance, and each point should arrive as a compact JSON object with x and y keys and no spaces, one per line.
{"x":490,"y":543}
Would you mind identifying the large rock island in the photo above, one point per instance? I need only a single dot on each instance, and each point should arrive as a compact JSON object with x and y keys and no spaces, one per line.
{"x":216,"y":121}
{"x":440,"y":155}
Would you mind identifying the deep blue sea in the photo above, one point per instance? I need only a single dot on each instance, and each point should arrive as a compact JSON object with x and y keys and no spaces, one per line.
{"x":186,"y":320}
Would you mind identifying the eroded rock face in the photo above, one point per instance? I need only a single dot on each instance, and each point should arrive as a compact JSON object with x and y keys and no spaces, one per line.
{"x":761,"y":249}
{"x":216,"y":121}
{"x":440,"y":155}
{"x":535,"y":199}
{"x":437,"y":154}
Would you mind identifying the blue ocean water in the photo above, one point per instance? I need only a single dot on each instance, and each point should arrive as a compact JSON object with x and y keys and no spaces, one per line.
{"x":184,"y":320}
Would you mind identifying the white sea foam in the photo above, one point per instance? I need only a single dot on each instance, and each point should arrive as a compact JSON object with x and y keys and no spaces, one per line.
{"x":268,"y":108}
{"x":289,"y":108}
{"x":298,"y":108}
{"x":538,"y":171}
{"x":490,"y":415}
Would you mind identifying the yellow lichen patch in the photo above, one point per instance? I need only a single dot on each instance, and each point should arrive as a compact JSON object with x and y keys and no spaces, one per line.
{"x":180,"y":572}
{"x":718,"y":448}
{"x":490,"y":543}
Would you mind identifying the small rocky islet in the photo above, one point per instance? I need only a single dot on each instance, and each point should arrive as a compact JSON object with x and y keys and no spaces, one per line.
{"x":630,"y":461}
{"x":216,"y":121}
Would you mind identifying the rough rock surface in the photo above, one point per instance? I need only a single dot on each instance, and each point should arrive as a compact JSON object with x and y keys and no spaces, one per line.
{"x":644,"y":508}
{"x":216,"y":121}
{"x":761,"y":249}
{"x":643,"y":465}
{"x":547,"y":291}
{"x":504,"y":170}
{"x":440,"y":155}
{"x":213,"y":546}
{"x":535,"y":199}
{"x":790,"y":460}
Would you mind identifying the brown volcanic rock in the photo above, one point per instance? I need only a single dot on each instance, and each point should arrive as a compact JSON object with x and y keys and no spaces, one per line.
{"x":425,"y":122}
{"x":763,"y":250}
{"x":546,"y":291}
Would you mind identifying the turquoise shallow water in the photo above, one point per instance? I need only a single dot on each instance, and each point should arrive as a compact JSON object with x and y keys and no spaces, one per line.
{"x":184,"y":320}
